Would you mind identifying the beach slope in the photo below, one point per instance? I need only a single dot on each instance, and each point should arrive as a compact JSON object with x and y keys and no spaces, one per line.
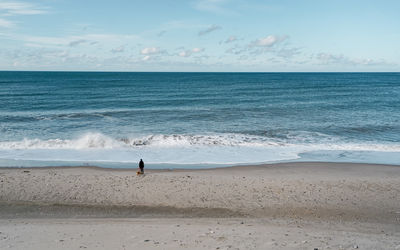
{"x":276,"y":206}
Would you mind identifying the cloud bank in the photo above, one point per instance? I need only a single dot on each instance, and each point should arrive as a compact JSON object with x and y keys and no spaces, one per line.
{"x":14,"y":8}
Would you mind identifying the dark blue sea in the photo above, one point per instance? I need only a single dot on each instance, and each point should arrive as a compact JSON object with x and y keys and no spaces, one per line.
{"x":197,"y":119}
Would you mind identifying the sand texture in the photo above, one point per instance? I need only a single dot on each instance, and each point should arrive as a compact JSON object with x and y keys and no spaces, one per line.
{"x":278,"y":206}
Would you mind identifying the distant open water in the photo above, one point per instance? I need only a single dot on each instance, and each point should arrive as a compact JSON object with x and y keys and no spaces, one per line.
{"x":197,"y":119}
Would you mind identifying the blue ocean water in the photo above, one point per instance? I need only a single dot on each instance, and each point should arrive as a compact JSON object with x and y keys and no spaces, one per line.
{"x":197,"y":119}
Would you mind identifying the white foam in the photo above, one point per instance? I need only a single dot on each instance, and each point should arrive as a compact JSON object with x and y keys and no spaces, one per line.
{"x":303,"y":140}
{"x":87,"y":141}
{"x":182,"y":149}
{"x":98,"y":140}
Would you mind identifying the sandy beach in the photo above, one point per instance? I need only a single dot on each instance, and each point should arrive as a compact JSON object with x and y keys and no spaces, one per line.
{"x":276,"y":206}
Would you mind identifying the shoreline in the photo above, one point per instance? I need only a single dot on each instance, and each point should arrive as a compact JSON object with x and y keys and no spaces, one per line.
{"x":245,"y":165}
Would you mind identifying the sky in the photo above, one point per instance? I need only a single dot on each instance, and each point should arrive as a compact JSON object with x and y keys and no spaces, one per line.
{"x":201,"y":35}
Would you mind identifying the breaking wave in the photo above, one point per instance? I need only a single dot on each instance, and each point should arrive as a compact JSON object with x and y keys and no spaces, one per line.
{"x":302,"y":140}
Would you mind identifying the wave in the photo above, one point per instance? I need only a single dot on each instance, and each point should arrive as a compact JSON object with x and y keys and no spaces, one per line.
{"x":201,"y":149}
{"x":98,"y":140}
{"x":28,"y":116}
{"x":90,"y":140}
{"x":302,"y":140}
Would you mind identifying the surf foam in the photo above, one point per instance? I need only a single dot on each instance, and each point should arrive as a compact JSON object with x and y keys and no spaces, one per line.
{"x":184,"y":149}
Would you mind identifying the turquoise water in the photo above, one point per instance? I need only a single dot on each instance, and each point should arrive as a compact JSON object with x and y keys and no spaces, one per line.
{"x":200,"y":119}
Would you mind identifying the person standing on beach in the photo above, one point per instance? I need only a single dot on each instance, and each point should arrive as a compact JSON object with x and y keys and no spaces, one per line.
{"x":141,"y":166}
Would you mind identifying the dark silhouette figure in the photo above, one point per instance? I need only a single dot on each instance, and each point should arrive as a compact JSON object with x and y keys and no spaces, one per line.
{"x":141,"y":166}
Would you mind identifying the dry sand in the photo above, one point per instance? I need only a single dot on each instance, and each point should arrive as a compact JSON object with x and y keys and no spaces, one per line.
{"x":277,"y":206}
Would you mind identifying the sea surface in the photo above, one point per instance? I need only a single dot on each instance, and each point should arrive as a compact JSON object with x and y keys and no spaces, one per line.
{"x":197,"y":120}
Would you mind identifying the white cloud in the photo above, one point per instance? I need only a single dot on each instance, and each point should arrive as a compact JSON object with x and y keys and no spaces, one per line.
{"x":188,"y":53}
{"x":118,"y":49}
{"x":330,"y":59}
{"x":149,"y":51}
{"x":210,"y":29}
{"x":183,"y":54}
{"x":288,"y":52}
{"x":14,"y":8}
{"x":20,"y":8}
{"x":197,"y":50}
{"x":237,"y":50}
{"x":47,"y":40}
{"x":71,"y":41}
{"x":5,"y":23}
{"x":77,"y":42}
{"x":268,"y":41}
{"x":33,"y":57}
{"x":231,"y":39}
{"x":152,"y":52}
{"x":273,"y":46}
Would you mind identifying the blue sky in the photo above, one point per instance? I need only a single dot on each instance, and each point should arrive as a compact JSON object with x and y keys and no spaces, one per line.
{"x":200,"y":35}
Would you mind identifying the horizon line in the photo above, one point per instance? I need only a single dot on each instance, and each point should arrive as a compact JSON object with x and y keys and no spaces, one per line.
{"x":95,"y":71}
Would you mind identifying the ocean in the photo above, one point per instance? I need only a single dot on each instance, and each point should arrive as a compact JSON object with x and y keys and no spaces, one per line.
{"x":197,"y":120}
